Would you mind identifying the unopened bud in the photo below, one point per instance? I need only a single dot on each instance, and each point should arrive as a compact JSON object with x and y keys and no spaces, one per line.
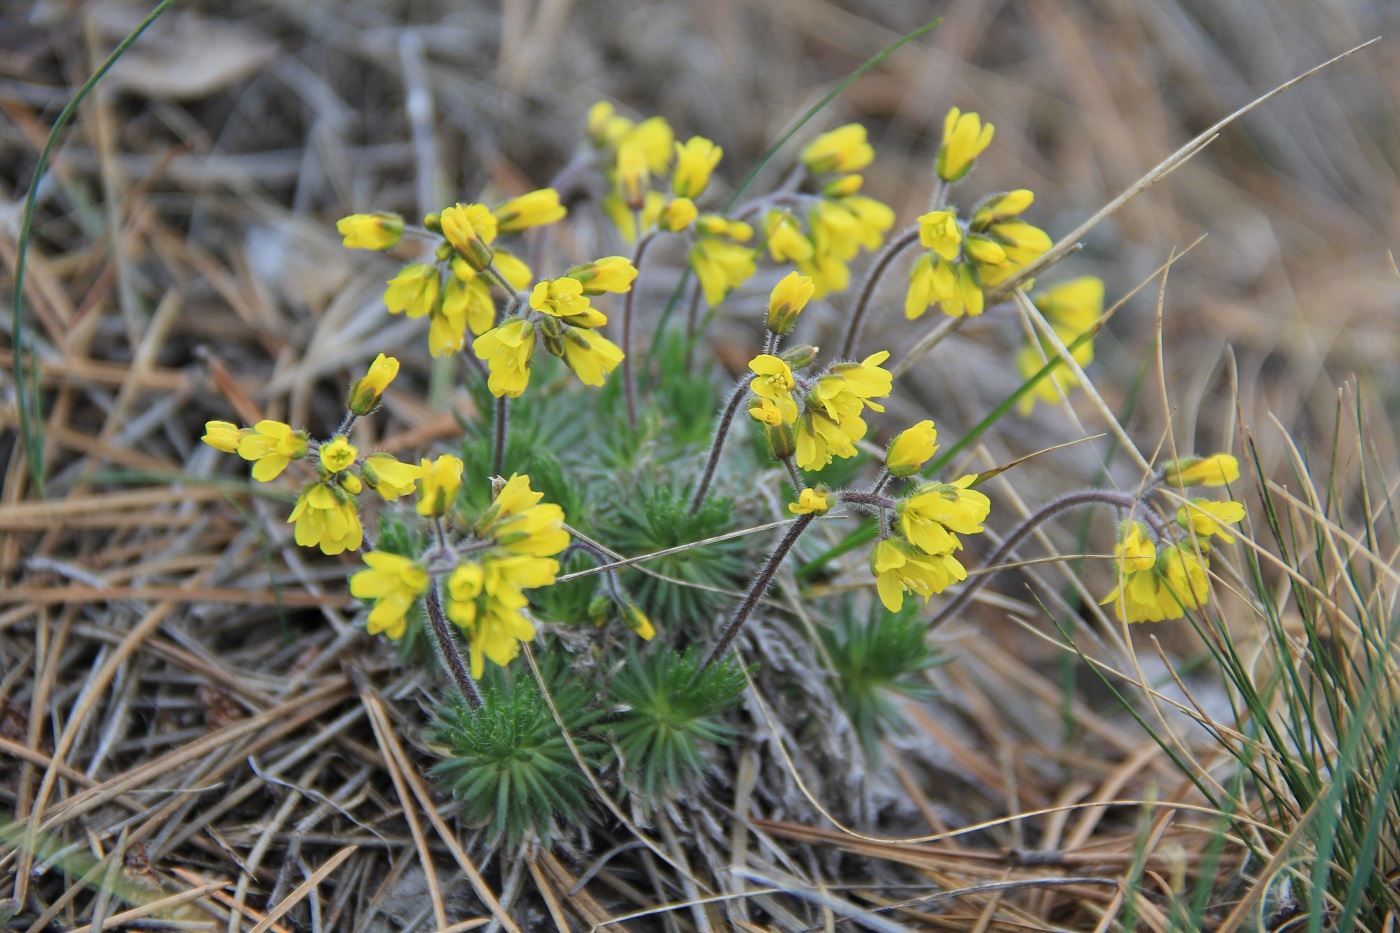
{"x":800,"y":356}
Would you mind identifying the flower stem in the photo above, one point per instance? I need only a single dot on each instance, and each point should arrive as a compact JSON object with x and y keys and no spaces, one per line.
{"x":760,"y":586}
{"x":796,"y":477}
{"x":692,"y":325}
{"x":448,"y":652}
{"x":872,"y":278}
{"x":1068,"y":501}
{"x":717,"y":445}
{"x":498,"y":443}
{"x":629,"y":381}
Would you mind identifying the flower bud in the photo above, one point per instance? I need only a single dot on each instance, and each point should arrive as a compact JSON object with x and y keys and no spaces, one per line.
{"x":677,"y":215}
{"x":911,"y":449}
{"x":364,"y":394}
{"x":800,"y":356}
{"x":787,"y":300}
{"x":381,"y":230}
{"x":814,"y":500}
{"x":1215,"y":470}
{"x":470,"y":228}
{"x":964,"y":138}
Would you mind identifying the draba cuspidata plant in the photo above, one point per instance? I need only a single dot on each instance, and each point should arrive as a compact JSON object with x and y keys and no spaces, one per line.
{"x":599,"y":506}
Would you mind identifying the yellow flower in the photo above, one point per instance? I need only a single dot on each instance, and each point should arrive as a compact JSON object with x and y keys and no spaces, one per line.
{"x":1072,"y":307}
{"x":765,"y":411}
{"x":656,"y":140}
{"x":1204,"y":518}
{"x":1054,"y":387}
{"x":813,"y":500}
{"x":273,"y":445}
{"x":563,"y":298}
{"x":1136,"y":551}
{"x":380,"y":230}
{"x":521,"y":524}
{"x":901,"y":569}
{"x":589,"y":354}
{"x":609,"y":274}
{"x":984,"y":250}
{"x":632,"y":174}
{"x":964,"y":138}
{"x":604,"y":125}
{"x":721,"y":266}
{"x":818,"y":437}
{"x":1155,"y":586}
{"x":466,"y":305}
{"x":365,"y":393}
{"x":529,"y":210}
{"x":485,"y":600}
{"x":470,"y":228}
{"x":694,"y":163}
{"x":507,"y":350}
{"x":1184,"y":580}
{"x":439,"y":484}
{"x":939,"y":231}
{"x":326,"y":517}
{"x":394,"y":583}
{"x":388,"y":477}
{"x":414,"y":290}
{"x":1215,"y":470}
{"x":677,"y":215}
{"x":715,"y":225}
{"x":787,"y":300}
{"x":864,"y":380}
{"x":1021,"y":244}
{"x":786,"y":240}
{"x":937,"y":512}
{"x":841,"y":228}
{"x":339,"y":454}
{"x":911,"y":449}
{"x":842,"y":186}
{"x":223,"y":435}
{"x":636,"y":620}
{"x":513,"y":269}
{"x":773,"y":381}
{"x":843,"y":149}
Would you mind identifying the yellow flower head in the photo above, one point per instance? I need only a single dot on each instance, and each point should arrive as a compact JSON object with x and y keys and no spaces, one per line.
{"x":911,"y":449}
{"x":589,"y":354}
{"x":637,"y":621}
{"x":939,"y":231}
{"x":813,"y":500}
{"x":326,"y":517}
{"x":609,"y":274}
{"x":1136,"y":551}
{"x":272,"y":445}
{"x":414,"y":291}
{"x":381,"y":230}
{"x":1053,"y":387}
{"x":604,"y":125}
{"x":715,"y":225}
{"x":656,"y":140}
{"x":470,"y":228}
{"x":964,"y":138}
{"x":766,"y":411}
{"x":438,"y":486}
{"x":529,"y":210}
{"x":507,"y":350}
{"x":486,"y":605}
{"x":388,"y":477}
{"x":1215,"y":470}
{"x":564,"y":298}
{"x":773,"y":380}
{"x":223,"y":435}
{"x":394,"y":583}
{"x":694,"y":163}
{"x":632,"y":175}
{"x":1072,"y":307}
{"x":843,"y":149}
{"x":1000,"y":207}
{"x":901,"y":569}
{"x":848,"y":388}
{"x":338,"y":454}
{"x":521,"y":524}
{"x":1204,"y":518}
{"x":786,"y":241}
{"x":721,"y":266}
{"x":365,"y":393}
{"x":984,"y":250}
{"x":937,"y":512}
{"x":817,"y":438}
{"x":678,"y":214}
{"x":1021,"y":244}
{"x":466,"y":305}
{"x":787,"y":300}
{"x":843,"y":186}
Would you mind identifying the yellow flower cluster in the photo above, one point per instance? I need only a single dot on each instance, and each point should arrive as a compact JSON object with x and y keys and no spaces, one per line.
{"x":1071,"y":309}
{"x":920,"y":559}
{"x":559,"y":312}
{"x":830,"y":423}
{"x":720,"y":260}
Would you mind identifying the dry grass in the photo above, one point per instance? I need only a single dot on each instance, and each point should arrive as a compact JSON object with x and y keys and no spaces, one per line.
{"x":190,"y":724}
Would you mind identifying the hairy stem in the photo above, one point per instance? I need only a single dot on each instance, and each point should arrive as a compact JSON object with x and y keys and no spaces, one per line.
{"x":717,"y":445}
{"x":760,"y":586}
{"x":448,"y":652}
{"x":872,"y":279}
{"x":629,"y":380}
{"x":1069,"y":501}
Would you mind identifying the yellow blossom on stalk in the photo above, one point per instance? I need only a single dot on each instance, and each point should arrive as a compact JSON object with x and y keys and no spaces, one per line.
{"x":951,"y":285}
{"x":338,"y":454}
{"x":1001,"y":207}
{"x":1215,"y":470}
{"x":326,"y":517}
{"x":937,"y":512}
{"x":1155,"y":585}
{"x":632,"y":174}
{"x":563,"y":298}
{"x":786,"y":241}
{"x":1205,"y":517}
{"x":388,"y":477}
{"x":843,"y":186}
{"x":911,"y":449}
{"x":1136,"y":551}
{"x":900,"y":568}
{"x":1022,"y":245}
{"x":609,"y":274}
{"x":853,"y":223}
{"x":813,"y":500}
{"x":964,"y":138}
{"x":694,"y":163}
{"x":414,"y":291}
{"x":677,"y":215}
{"x":485,"y":600}
{"x":866,"y":379}
{"x":470,"y":228}
{"x":589,"y":354}
{"x":438,"y":485}
{"x":529,"y":210}
{"x":818,"y":437}
{"x":223,"y":435}
{"x":507,"y":350}
{"x":394,"y":583}
{"x":1184,"y":580}
{"x":843,"y":149}
{"x":715,"y":225}
{"x":381,"y":230}
{"x":721,"y":266}
{"x":765,"y":411}
{"x":1072,"y":307}
{"x":604,"y":125}
{"x":984,"y":250}
{"x":466,"y":305}
{"x":521,"y":524}
{"x":365,"y":393}
{"x":272,"y":445}
{"x":939,"y":231}
{"x":656,"y":141}
{"x":787,"y":300}
{"x":773,"y":380}
{"x":637,"y":621}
